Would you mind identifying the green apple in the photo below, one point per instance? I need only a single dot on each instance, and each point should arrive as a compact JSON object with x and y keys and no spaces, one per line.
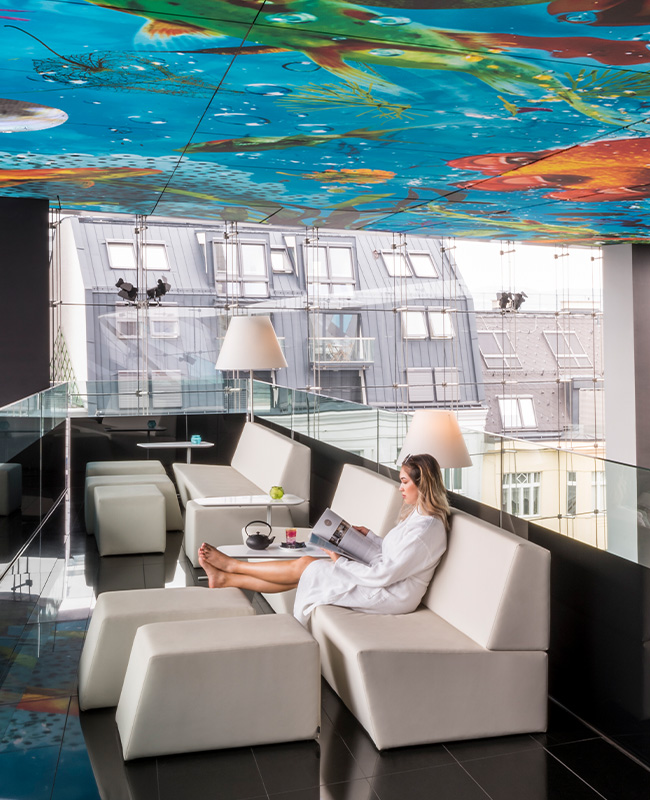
{"x":276,"y":492}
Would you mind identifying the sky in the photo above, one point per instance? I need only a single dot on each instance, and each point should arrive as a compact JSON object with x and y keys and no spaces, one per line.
{"x":549,"y":282}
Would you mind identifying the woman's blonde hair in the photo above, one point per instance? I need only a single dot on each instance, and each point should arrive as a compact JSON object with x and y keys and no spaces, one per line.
{"x":425,"y":473}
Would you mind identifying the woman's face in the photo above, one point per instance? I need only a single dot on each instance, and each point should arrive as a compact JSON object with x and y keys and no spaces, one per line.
{"x":408,"y":489}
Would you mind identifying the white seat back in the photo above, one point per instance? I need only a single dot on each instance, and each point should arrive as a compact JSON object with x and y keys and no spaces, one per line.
{"x":493,"y":586}
{"x":268,"y":458}
{"x":364,"y":497}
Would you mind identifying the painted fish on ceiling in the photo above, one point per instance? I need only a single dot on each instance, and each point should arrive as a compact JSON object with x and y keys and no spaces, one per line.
{"x":86,"y":176}
{"x":21,"y":116}
{"x":360,"y":36}
{"x":259,"y":143}
{"x":610,"y":170}
{"x":601,"y":12}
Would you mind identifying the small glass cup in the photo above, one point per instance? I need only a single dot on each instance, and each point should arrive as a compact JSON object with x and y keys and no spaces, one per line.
{"x":196,"y":439}
{"x":290,"y":537}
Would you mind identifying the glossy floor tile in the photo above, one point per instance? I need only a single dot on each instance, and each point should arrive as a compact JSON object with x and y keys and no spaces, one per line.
{"x":48,"y":749}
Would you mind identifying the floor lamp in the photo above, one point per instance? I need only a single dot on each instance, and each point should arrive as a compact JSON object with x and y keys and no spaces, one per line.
{"x":436,"y":432}
{"x":250,"y":343}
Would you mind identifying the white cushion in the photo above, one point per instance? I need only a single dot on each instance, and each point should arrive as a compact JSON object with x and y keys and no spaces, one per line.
{"x":493,"y":586}
{"x":118,"y":615}
{"x":148,"y":467}
{"x":414,"y":678}
{"x":208,"y":684}
{"x":210,"y":480}
{"x":173,"y":516}
{"x":129,"y":519}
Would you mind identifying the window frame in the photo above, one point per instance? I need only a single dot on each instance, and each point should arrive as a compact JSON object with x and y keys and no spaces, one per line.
{"x":164,"y":314}
{"x":228,"y":280}
{"x":405,"y":327}
{"x":506,"y":360}
{"x":517,"y":490}
{"x":447,"y":324}
{"x":326,"y":281}
{"x":568,"y":358}
{"x":521,"y":414}
{"x":128,"y":315}
{"x":124,"y":242}
{"x":386,"y":254}
{"x":410,"y":253}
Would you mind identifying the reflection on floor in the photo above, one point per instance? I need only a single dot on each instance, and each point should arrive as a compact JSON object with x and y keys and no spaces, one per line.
{"x":49,"y":750}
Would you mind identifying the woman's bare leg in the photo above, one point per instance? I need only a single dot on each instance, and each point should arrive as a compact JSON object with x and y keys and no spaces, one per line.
{"x":286,"y":573}
{"x":218,"y":579}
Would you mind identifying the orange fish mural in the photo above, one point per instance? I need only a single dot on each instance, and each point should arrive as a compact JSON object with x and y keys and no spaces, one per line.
{"x":86,"y":176}
{"x":615,"y":169}
{"x":364,"y":176}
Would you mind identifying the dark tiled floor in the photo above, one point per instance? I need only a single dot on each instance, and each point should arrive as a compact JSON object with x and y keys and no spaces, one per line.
{"x":49,"y":750}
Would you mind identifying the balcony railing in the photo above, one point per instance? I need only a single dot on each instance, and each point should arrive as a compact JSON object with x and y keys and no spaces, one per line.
{"x":341,"y":350}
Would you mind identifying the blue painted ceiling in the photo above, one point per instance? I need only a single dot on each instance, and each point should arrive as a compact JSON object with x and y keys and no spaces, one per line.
{"x":484,"y":118}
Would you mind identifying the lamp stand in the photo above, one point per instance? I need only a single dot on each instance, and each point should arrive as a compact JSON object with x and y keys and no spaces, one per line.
{"x":250,"y":391}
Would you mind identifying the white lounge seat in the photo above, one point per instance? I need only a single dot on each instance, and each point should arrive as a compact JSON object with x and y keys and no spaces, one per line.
{"x":263,"y":458}
{"x":173,"y":516}
{"x":209,"y":684}
{"x":147,"y":467}
{"x":470,"y":662}
{"x":129,"y":519}
{"x":118,"y":615}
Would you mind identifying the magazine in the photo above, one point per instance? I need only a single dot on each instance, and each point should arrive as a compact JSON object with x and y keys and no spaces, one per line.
{"x":332,"y":532}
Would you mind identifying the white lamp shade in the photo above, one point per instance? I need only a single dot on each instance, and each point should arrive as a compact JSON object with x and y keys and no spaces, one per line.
{"x":250,"y":343}
{"x":437,"y":433}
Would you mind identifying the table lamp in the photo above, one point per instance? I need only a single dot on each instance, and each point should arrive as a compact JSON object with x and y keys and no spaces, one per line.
{"x":436,"y":432}
{"x":250,"y":343}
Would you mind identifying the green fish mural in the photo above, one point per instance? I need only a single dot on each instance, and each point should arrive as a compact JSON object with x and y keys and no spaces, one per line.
{"x":358,"y":36}
{"x":257,"y":144}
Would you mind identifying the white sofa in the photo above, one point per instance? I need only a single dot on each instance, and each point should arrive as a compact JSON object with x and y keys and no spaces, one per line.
{"x":263,"y":458}
{"x":470,"y":662}
{"x":362,"y":497}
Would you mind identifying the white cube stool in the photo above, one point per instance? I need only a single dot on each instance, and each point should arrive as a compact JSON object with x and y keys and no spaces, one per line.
{"x":146,"y":467}
{"x":173,"y":516}
{"x":129,"y":519}
{"x":118,"y":615}
{"x":11,"y":488}
{"x":210,"y":684}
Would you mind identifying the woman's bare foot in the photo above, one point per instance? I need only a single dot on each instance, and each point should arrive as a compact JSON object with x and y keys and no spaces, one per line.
{"x":216,"y":578}
{"x":216,"y":559}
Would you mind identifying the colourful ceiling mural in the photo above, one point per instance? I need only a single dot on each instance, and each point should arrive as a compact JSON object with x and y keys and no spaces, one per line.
{"x":511,"y":119}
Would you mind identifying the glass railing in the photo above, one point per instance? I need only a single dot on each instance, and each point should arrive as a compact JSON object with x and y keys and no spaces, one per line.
{"x":577,"y":493}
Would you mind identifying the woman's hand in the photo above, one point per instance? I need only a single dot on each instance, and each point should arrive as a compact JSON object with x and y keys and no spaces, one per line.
{"x":333,"y":556}
{"x":361,"y":528}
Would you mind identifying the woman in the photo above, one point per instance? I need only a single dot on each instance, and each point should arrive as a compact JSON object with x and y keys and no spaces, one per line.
{"x":393,"y":583}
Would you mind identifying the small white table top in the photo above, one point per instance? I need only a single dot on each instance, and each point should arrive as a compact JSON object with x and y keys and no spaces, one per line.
{"x":244,"y":500}
{"x":274,"y":550}
{"x":161,"y":445}
{"x":189,"y":446}
{"x":250,"y":500}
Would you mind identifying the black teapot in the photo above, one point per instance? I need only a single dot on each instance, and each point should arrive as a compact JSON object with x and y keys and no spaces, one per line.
{"x":258,"y":535}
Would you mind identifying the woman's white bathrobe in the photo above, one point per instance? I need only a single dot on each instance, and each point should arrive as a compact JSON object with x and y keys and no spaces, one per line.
{"x":393,"y":583}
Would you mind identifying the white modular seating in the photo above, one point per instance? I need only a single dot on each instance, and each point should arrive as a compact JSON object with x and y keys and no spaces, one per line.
{"x":263,"y":458}
{"x":148,"y":467}
{"x":129,"y":519}
{"x":118,"y":615}
{"x":209,"y":684}
{"x":173,"y":516}
{"x":470,"y":662}
{"x":362,"y":497}
{"x":11,"y":488}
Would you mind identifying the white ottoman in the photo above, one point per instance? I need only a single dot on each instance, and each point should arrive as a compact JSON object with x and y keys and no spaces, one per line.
{"x":11,"y":488}
{"x":173,"y":516}
{"x":118,"y":615}
{"x":129,"y":519}
{"x":210,"y":684}
{"x":147,"y":467}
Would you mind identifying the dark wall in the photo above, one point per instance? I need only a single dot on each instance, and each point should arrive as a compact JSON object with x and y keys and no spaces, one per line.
{"x":24,"y":299}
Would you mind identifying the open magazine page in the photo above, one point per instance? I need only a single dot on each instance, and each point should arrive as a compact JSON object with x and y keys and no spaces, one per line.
{"x":333,"y":533}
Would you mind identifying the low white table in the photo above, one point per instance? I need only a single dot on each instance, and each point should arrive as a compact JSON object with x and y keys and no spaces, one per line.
{"x":189,"y":446}
{"x":244,"y":500}
{"x":274,"y":551}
